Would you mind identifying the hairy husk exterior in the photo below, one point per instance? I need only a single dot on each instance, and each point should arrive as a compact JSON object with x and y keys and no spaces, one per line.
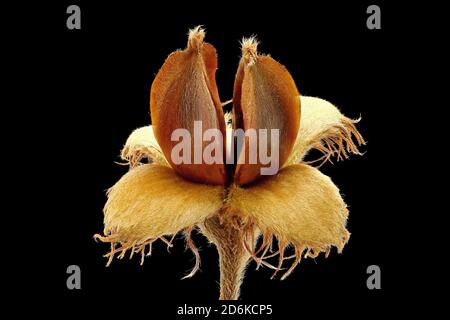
{"x":300,"y":207}
{"x":151,"y":201}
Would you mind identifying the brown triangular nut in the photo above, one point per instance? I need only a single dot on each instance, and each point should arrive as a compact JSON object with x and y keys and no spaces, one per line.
{"x":265,"y":97}
{"x":185,"y":91}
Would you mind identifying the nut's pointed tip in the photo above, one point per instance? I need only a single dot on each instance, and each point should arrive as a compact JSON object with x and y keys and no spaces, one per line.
{"x":249,"y":47}
{"x":195,"y":38}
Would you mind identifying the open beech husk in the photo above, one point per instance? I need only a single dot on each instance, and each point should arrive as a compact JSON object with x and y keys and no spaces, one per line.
{"x":296,"y":213}
{"x":265,"y":97}
{"x":300,"y":207}
{"x":184,"y":91}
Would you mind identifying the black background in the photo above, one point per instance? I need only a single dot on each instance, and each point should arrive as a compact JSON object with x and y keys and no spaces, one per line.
{"x":94,"y":90}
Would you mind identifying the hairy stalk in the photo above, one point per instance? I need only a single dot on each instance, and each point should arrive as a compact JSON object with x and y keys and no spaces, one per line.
{"x":233,"y":257}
